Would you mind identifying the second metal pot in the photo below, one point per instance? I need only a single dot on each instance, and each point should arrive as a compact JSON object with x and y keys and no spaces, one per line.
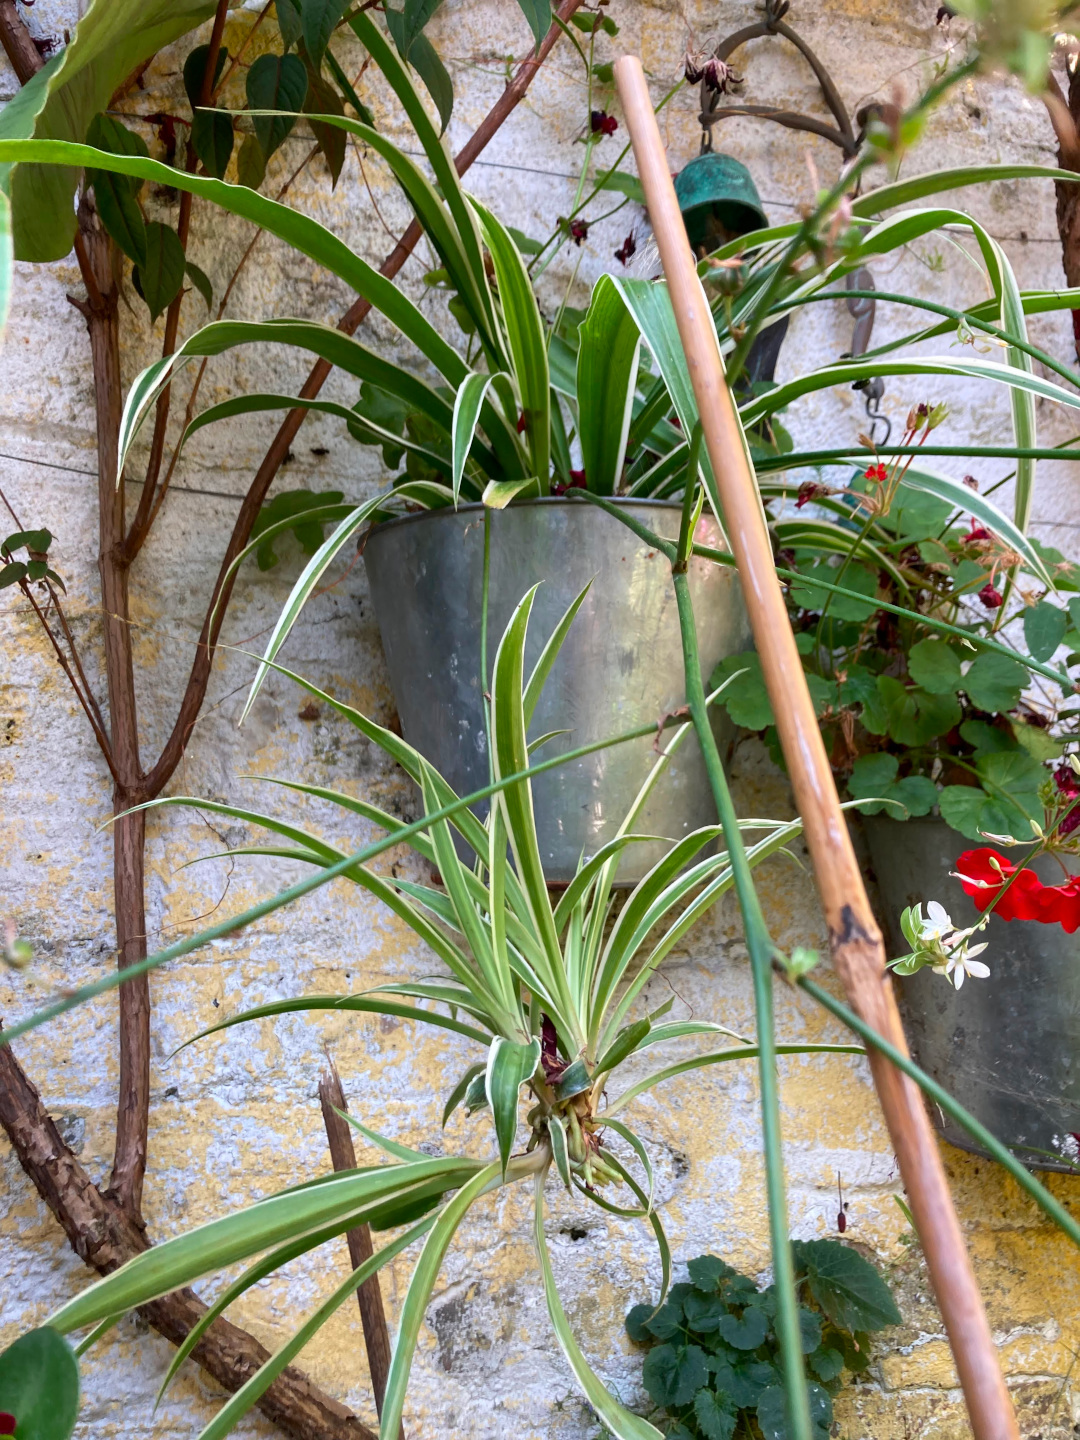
{"x":1008,"y":1047}
{"x":621,"y":665}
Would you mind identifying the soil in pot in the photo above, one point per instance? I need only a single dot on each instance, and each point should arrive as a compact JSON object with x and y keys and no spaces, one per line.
{"x":621,"y":665}
{"x":1007,"y":1047}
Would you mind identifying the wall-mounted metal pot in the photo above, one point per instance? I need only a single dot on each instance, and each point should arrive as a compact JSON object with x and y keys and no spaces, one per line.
{"x":621,"y":665}
{"x":1007,"y":1047}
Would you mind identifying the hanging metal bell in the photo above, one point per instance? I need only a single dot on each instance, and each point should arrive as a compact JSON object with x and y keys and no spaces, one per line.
{"x":718,"y":199}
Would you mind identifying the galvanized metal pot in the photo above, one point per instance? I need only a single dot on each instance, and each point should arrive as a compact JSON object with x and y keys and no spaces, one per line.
{"x":1007,"y":1047}
{"x":621,"y":665}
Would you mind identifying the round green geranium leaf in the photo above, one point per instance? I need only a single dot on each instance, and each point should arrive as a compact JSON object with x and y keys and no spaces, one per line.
{"x":39,"y":1385}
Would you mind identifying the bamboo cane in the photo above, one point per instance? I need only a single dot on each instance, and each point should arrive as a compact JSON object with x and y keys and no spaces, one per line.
{"x":855,"y":942}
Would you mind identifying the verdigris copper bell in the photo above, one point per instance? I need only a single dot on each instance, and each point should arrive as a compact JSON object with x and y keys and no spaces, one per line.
{"x":718,"y":200}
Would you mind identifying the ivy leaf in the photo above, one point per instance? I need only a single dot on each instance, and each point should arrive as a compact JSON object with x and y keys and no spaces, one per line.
{"x":212,"y":138}
{"x":37,"y":541}
{"x":201,"y":281}
{"x":159,"y":277}
{"x":673,"y":1375}
{"x":424,"y":59}
{"x":39,"y":1385}
{"x":746,"y":699}
{"x":848,"y":1288}
{"x":538,"y":14}
{"x":323,"y":99}
{"x":310,"y":533}
{"x":289,"y":22}
{"x":994,"y":682}
{"x":912,"y":717}
{"x":1044,"y":629}
{"x":772,"y":1412}
{"x":746,"y":1333}
{"x":116,"y":195}
{"x":320,"y":19}
{"x":415,"y":16}
{"x":275,"y":82}
{"x":251,"y":163}
{"x":11,"y":574}
{"x":715,"y":1420}
{"x":935,"y":666}
{"x":195,"y":70}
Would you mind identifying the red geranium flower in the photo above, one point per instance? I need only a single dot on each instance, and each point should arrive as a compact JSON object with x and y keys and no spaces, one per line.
{"x":982,"y":873}
{"x":7,"y":1423}
{"x":601,"y":123}
{"x":977,"y":532}
{"x":579,"y":231}
{"x":876,"y":472}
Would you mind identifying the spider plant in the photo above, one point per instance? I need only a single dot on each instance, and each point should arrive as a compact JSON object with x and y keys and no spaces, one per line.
{"x":551,"y":993}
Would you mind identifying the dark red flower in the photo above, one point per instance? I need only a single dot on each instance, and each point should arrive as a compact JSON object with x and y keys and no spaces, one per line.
{"x":576,"y":482}
{"x":716,"y":73}
{"x":990,"y":597}
{"x":626,"y":250}
{"x":1067,"y":781}
{"x":983,"y":873}
{"x":601,"y":123}
{"x":875,"y":472}
{"x":7,"y":1423}
{"x":977,"y":532}
{"x":809,"y":490}
{"x":521,"y":423}
{"x":579,"y":231}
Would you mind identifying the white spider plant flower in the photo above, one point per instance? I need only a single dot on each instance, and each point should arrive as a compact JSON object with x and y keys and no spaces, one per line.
{"x":937,"y":942}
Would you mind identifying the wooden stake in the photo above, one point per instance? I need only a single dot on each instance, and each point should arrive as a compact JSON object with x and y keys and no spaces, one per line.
{"x":854,"y":939}
{"x":369,"y":1295}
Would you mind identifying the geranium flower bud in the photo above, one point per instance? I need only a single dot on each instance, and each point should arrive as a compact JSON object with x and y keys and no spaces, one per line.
{"x":991,"y":597}
{"x":601,"y":123}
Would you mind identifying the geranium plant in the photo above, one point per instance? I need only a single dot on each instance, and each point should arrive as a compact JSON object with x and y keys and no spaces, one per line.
{"x":927,"y":700}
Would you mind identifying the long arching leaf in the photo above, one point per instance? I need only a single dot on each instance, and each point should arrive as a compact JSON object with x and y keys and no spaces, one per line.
{"x":622,"y":1424}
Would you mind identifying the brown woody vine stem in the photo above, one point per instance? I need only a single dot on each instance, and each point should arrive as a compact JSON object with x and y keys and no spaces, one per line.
{"x":106,"y":1229}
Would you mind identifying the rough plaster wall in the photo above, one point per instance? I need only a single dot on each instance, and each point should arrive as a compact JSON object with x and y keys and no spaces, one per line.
{"x":237,"y":1117}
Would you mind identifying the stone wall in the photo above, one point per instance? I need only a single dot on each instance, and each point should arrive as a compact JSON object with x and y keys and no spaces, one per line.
{"x":236,"y":1117}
